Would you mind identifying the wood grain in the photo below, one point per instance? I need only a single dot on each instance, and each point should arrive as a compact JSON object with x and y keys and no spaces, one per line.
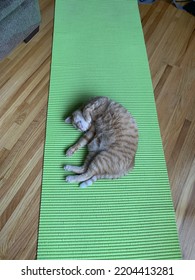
{"x":170,"y":41}
{"x":24,"y":79}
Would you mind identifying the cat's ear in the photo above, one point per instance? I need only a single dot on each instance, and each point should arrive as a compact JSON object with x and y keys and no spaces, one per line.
{"x":68,"y":120}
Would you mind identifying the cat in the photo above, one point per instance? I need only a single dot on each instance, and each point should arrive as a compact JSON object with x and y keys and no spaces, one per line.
{"x":111,"y":135}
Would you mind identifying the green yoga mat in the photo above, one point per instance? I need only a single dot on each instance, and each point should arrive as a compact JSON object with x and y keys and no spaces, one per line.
{"x":98,"y":49}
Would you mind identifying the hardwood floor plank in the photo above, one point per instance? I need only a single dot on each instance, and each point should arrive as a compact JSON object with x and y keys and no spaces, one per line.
{"x":184,"y":101}
{"x":35,"y":58}
{"x":23,"y":220}
{"x":26,"y":94}
{"x":167,"y":40}
{"x":178,"y":146}
{"x":168,"y":98}
{"x":24,"y":173}
{"x":23,"y":145}
{"x":178,"y":175}
{"x":162,"y":80}
{"x":17,"y":197}
{"x":185,"y":214}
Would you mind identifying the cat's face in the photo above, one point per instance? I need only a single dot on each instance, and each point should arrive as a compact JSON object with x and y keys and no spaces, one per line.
{"x":78,"y":121}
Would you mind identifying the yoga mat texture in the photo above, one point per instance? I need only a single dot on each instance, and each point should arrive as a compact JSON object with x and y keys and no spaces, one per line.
{"x":98,"y":49}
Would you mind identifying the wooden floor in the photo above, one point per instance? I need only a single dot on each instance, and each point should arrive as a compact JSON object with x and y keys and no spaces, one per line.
{"x":24,"y":77}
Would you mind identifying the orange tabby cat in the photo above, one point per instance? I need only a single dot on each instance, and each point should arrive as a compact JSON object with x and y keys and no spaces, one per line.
{"x":112,"y":137}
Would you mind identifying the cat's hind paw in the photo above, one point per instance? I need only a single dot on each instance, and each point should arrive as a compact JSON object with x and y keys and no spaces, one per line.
{"x":67,"y":167}
{"x":70,"y":179}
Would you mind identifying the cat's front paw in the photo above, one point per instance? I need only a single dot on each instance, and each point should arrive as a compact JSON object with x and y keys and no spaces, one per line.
{"x":70,"y":152}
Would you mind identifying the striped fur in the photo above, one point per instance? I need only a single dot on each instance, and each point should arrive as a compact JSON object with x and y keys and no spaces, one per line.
{"x":112,"y":137}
